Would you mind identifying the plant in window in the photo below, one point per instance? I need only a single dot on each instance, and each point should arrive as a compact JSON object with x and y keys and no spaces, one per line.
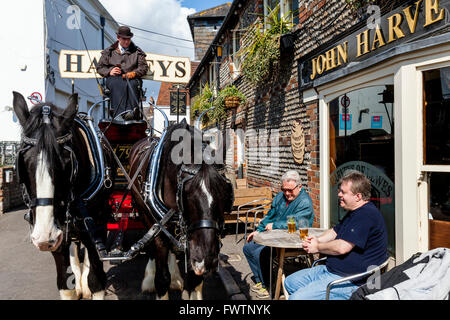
{"x":262,"y":56}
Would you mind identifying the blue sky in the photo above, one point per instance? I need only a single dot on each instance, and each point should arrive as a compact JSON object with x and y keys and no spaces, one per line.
{"x":200,"y":5}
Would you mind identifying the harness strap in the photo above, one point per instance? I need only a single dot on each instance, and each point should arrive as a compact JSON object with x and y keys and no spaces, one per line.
{"x":203,"y":224}
{"x":38,"y":202}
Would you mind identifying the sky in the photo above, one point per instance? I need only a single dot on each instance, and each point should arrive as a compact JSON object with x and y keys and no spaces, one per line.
{"x":168,"y":17}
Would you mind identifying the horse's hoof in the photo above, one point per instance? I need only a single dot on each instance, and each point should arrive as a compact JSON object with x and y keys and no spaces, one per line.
{"x":100,"y":295}
{"x":69,"y":295}
{"x":148,"y":284}
{"x":164,"y":297}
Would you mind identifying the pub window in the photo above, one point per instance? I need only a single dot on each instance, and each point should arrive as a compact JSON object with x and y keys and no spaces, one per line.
{"x":436,"y":153}
{"x":286,"y":7}
{"x":437,"y":117}
{"x":361,"y":137}
{"x":236,"y":58}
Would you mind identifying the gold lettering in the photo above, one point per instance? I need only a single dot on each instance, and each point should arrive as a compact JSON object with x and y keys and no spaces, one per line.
{"x":342,"y":53}
{"x":362,"y":42}
{"x":394,"y":27}
{"x":412,"y":22}
{"x":378,"y":38}
{"x":330,"y":58}
{"x":431,"y":7}
{"x":314,"y":72}
{"x":321,"y":64}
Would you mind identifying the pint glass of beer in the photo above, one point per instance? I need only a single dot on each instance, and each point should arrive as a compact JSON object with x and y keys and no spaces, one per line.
{"x":291,"y":224}
{"x":303,"y":228}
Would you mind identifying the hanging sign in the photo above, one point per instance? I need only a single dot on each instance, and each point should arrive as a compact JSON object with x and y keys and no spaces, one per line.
{"x":77,"y":64}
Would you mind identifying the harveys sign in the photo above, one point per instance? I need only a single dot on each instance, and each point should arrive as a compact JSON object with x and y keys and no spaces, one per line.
{"x":82,"y":65}
{"x":404,"y":24}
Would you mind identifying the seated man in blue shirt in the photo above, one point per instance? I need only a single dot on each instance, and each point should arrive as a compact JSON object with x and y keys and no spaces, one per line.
{"x":292,"y":201}
{"x":358,"y":242}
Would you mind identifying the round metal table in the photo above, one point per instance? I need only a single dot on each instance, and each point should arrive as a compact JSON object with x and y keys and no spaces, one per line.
{"x":282,"y":240}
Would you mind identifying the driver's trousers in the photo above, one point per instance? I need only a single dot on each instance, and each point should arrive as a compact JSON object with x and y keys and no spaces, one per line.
{"x":122,"y":98}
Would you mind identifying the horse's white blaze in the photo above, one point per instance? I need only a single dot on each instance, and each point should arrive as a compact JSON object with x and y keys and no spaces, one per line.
{"x":207,"y":193}
{"x":148,"y":284}
{"x":76,"y":267}
{"x":197,"y":294}
{"x":45,"y":230}
{"x":199,"y":267}
{"x":84,"y":276}
{"x":176,"y":281}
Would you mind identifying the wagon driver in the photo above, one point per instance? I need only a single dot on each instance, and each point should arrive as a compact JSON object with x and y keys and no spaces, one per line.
{"x":121,"y":61}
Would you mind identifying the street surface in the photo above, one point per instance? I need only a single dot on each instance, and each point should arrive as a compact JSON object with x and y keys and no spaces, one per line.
{"x":27,"y":274}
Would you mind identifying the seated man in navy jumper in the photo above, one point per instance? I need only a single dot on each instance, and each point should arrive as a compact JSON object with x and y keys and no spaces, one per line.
{"x":292,"y":201}
{"x":356,"y":243}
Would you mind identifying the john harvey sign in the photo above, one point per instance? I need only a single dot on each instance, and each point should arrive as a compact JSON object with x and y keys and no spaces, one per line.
{"x":411,"y":21}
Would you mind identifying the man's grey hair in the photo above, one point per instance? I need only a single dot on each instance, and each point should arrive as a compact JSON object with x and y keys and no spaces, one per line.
{"x":291,"y":175}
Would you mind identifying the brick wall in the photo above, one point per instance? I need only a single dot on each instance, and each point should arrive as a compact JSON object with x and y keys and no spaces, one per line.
{"x":10,"y":192}
{"x":277,"y":103}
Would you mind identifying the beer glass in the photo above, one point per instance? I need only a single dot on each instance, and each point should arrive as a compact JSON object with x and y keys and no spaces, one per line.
{"x":303,"y":228}
{"x":291,"y":224}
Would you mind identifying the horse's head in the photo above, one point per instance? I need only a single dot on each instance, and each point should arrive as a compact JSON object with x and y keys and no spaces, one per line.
{"x":46,"y":167}
{"x":203,"y":195}
{"x":206,"y":197}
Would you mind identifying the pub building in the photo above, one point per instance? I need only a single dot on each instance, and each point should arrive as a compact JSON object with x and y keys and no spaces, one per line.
{"x":383,"y":94}
{"x":361,"y":91}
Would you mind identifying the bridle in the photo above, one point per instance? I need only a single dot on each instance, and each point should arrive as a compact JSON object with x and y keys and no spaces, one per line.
{"x":26,"y":144}
{"x":190,"y":173}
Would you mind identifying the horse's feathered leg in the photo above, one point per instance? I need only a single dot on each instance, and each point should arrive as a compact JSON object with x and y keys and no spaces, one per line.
{"x":162,"y":275}
{"x":93,"y":276}
{"x":65,"y":279}
{"x":193,"y":286}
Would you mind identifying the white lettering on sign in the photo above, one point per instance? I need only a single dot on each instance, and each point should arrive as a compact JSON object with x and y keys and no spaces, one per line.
{"x":77,"y":64}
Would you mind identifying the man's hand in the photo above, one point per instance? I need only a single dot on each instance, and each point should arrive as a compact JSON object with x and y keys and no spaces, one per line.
{"x":311,"y":244}
{"x":129,"y":75}
{"x":250,"y":236}
{"x":115,"y":71}
{"x":269,"y":226}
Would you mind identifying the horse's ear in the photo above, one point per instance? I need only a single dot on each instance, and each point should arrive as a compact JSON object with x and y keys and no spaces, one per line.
{"x":183,"y":122}
{"x":71,"y":110}
{"x":20,"y":108}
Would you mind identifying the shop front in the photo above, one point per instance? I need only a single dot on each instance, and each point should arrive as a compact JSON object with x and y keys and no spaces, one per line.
{"x":383,"y":94}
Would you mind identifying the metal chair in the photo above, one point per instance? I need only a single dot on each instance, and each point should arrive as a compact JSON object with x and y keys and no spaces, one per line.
{"x":381,"y":268}
{"x":258,"y":209}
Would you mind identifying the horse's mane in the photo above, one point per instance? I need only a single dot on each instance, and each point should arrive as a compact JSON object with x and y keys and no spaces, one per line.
{"x":45,"y":134}
{"x":208,"y":173}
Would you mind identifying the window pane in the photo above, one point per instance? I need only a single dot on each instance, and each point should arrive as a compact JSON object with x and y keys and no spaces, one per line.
{"x":437,"y":116}
{"x":362,"y":138}
{"x":440,"y":196}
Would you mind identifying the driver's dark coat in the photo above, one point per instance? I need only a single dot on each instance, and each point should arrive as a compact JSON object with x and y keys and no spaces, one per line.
{"x":133,"y":60}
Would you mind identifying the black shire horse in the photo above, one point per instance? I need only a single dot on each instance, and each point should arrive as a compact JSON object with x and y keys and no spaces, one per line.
{"x":55,"y":167}
{"x":200,"y":195}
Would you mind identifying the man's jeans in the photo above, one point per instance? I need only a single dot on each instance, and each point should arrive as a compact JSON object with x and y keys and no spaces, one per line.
{"x":311,"y":284}
{"x":256,"y":255}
